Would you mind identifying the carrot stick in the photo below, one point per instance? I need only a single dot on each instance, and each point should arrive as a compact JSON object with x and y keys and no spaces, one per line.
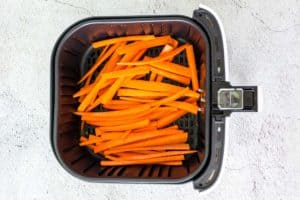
{"x":173,"y":68}
{"x":125,"y":127}
{"x":146,"y":128}
{"x":137,"y":100}
{"x":91,"y":95}
{"x":84,"y":90}
{"x":192,"y":65}
{"x":131,"y":111}
{"x":154,"y":155}
{"x":118,"y":118}
{"x":138,"y":137}
{"x":121,"y":39}
{"x":157,"y":141}
{"x":173,"y":97}
{"x":141,"y":93}
{"x":139,"y":45}
{"x":109,"y":65}
{"x":126,"y":72}
{"x":181,"y":79}
{"x":112,"y":135}
{"x":112,"y":90}
{"x":174,"y":163}
{"x":159,"y":78}
{"x":184,"y":106}
{"x":121,"y":102}
{"x":170,"y":118}
{"x":119,"y":107}
{"x":155,"y":86}
{"x":162,"y":147}
{"x":167,"y":48}
{"x":91,"y":141}
{"x":142,"y":162}
{"x":99,"y":62}
{"x":160,"y":58}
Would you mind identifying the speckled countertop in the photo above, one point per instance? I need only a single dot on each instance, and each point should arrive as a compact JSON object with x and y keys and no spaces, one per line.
{"x":263,"y":148}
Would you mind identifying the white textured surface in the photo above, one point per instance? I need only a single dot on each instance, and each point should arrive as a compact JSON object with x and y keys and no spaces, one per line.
{"x":263,"y":153}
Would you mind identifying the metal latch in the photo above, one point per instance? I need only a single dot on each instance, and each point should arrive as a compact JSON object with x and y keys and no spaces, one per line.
{"x":230,"y":98}
{"x":227,"y":98}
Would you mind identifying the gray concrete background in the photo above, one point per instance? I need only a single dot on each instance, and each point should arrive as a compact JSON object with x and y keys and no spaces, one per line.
{"x":263,"y":152}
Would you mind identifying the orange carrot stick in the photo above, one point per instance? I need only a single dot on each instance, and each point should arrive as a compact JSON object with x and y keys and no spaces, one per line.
{"x":126,"y":72}
{"x":162,"y":147}
{"x":174,"y":163}
{"x":170,"y":118}
{"x":99,"y":62}
{"x":126,"y":127}
{"x":160,"y":58}
{"x":137,"y":100}
{"x":156,"y":141}
{"x":155,"y":86}
{"x":181,"y":79}
{"x":121,"y":39}
{"x":154,"y":155}
{"x":142,"y":162}
{"x":138,"y":137}
{"x":139,"y":115}
{"x":192,"y":65}
{"x":192,"y":108}
{"x":84,"y":90}
{"x":173,"y":68}
{"x":119,"y":107}
{"x":139,"y":45}
{"x":141,"y":93}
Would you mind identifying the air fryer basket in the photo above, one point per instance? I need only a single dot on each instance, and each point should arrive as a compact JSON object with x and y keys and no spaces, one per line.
{"x":72,"y":56}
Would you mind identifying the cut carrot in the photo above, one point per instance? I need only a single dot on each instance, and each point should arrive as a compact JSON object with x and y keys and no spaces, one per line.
{"x":131,"y":111}
{"x":170,"y":118}
{"x":137,"y":100}
{"x":119,"y":107}
{"x":118,"y":118}
{"x":121,"y":39}
{"x":173,"y":68}
{"x":84,"y":90}
{"x":160,"y":58}
{"x":99,"y":62}
{"x":192,"y":65}
{"x":139,"y":45}
{"x":181,"y":79}
{"x":139,"y":137}
{"x":141,"y":93}
{"x":192,"y":108}
{"x":174,"y":163}
{"x":131,"y":126}
{"x":167,"y":48}
{"x":126,"y":72}
{"x":91,"y":141}
{"x":136,"y":127}
{"x":159,"y":78}
{"x":155,"y":155}
{"x":162,"y":147}
{"x":91,"y":95}
{"x":155,"y":86}
{"x":142,"y":162}
{"x":146,"y":128}
{"x":173,"y":97}
{"x":162,"y":140}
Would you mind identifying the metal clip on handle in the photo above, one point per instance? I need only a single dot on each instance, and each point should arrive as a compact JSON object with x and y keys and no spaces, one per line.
{"x":228,"y":99}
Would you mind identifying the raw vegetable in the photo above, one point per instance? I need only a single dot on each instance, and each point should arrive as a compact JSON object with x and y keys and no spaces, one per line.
{"x":137,"y":125}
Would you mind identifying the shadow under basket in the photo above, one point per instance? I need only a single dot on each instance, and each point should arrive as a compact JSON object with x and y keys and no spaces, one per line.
{"x":72,"y":56}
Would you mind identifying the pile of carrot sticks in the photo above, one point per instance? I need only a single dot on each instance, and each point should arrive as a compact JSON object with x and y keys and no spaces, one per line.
{"x":137,"y":124}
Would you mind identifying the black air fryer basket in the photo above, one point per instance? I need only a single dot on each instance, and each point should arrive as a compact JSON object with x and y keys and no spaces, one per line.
{"x":72,"y":56}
